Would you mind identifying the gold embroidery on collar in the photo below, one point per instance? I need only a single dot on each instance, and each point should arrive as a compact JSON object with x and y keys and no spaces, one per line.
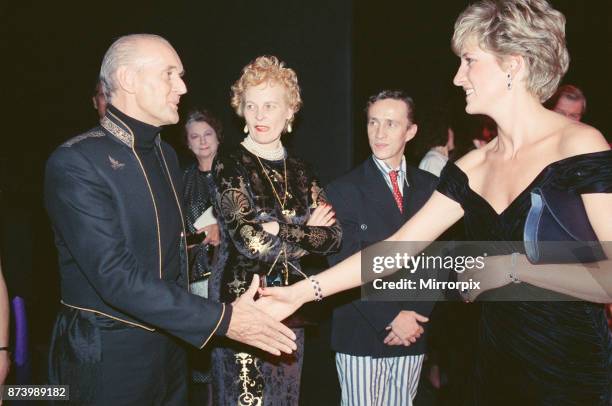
{"x":117,"y":131}
{"x":79,"y":138}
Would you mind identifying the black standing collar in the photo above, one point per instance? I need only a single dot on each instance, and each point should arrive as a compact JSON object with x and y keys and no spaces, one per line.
{"x":128,"y":130}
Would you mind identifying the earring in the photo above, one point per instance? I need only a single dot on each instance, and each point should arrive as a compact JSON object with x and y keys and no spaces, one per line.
{"x":509,"y":82}
{"x":245,"y":129}
{"x":289,"y":128}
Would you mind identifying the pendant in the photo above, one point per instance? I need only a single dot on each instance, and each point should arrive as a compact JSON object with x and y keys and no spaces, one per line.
{"x":288,"y":213}
{"x":286,"y":274}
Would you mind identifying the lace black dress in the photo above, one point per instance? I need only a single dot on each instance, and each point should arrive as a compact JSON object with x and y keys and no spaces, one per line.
{"x":537,"y":353}
{"x":245,"y":199}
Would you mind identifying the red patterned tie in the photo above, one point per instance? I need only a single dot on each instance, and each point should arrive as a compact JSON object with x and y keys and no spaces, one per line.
{"x":396,"y":191}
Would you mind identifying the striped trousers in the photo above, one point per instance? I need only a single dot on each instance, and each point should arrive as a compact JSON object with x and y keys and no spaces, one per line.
{"x":367,"y":381}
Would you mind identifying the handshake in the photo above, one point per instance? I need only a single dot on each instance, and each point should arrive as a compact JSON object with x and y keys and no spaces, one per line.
{"x":258,"y":322}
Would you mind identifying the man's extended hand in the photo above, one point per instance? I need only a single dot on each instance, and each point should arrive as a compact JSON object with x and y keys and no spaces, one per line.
{"x":251,"y":326}
{"x":405,"y":328}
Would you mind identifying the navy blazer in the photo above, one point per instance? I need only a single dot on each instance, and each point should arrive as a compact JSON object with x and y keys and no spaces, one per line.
{"x":368,"y":213}
{"x":105,"y":220}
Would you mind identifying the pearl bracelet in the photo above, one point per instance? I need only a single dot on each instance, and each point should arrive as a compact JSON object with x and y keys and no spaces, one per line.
{"x":512,"y":274}
{"x":317,"y":289}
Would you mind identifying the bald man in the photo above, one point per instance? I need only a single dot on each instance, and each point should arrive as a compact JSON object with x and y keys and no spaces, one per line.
{"x":112,"y":196}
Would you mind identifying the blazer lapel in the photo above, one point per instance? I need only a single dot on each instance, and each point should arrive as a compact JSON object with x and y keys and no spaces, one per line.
{"x":413,"y":194}
{"x":408,"y":207}
{"x":380,"y":194}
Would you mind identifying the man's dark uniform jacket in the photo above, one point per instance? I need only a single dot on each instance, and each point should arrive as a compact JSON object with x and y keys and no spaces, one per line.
{"x":114,"y":221}
{"x":368,"y":213}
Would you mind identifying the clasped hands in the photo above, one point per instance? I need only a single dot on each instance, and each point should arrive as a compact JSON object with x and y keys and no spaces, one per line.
{"x":405,"y":329}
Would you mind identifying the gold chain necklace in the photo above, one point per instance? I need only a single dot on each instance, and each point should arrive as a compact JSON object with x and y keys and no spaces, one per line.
{"x":286,"y":212}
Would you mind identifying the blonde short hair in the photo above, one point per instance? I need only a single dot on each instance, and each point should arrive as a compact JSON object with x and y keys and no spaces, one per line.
{"x":266,"y":69}
{"x":530,"y":28}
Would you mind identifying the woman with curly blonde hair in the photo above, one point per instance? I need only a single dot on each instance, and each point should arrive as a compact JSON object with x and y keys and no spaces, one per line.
{"x":274,"y":213}
{"x":537,"y":352}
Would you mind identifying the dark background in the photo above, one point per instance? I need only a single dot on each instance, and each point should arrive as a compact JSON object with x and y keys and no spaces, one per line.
{"x":342,"y":51}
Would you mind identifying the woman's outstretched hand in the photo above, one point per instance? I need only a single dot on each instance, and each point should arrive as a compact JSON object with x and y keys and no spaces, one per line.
{"x":281,"y":302}
{"x":250,"y":325}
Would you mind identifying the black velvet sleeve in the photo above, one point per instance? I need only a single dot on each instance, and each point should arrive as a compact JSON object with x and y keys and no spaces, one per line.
{"x":453,"y":183}
{"x":585,"y":173}
{"x":316,"y":240}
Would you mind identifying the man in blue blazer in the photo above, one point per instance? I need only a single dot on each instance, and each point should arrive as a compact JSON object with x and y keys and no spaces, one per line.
{"x":379,"y":346}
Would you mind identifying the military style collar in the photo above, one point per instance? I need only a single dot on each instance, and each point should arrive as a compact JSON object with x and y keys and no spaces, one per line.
{"x":124,"y":128}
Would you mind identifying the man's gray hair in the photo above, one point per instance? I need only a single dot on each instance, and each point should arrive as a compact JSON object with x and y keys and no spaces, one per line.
{"x":123,"y":52}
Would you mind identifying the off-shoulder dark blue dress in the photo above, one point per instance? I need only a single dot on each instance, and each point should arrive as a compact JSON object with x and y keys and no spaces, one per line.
{"x":537,"y":353}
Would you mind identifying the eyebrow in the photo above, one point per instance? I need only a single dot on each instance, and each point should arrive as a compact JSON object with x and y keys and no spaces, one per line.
{"x":266,"y":101}
{"x":181,"y":73}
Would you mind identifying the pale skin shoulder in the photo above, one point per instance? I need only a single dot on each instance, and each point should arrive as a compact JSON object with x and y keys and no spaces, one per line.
{"x":579,"y":138}
{"x":475,"y":157}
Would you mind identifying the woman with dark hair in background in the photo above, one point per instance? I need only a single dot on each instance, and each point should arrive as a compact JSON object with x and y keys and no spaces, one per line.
{"x":203,"y":135}
{"x":513,"y":56}
{"x":274,"y":212}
